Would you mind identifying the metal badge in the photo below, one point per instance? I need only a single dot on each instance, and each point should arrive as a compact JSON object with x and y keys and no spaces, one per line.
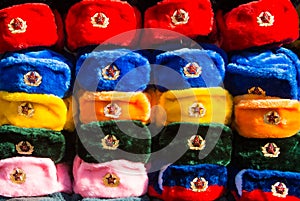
{"x":17,"y":25}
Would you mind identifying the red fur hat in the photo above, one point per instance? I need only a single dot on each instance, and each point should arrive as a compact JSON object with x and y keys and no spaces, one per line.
{"x":190,"y":18}
{"x":92,"y":22}
{"x":27,"y":25}
{"x":258,"y":23}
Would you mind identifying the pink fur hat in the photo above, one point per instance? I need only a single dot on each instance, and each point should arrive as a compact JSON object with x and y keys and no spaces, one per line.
{"x":113,"y":179}
{"x":32,"y":176}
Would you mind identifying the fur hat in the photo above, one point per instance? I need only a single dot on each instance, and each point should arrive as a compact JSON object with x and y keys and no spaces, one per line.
{"x":35,"y":72}
{"x":258,"y":23}
{"x":273,"y":72}
{"x":32,"y":110}
{"x":113,"y":70}
{"x":257,"y":116}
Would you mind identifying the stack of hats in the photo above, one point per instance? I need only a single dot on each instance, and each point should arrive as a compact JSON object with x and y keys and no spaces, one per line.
{"x":114,"y":142}
{"x":34,"y":82}
{"x":264,"y":80}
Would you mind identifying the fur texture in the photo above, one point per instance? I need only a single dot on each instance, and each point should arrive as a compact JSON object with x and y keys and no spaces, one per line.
{"x":134,"y":141}
{"x":142,"y":198}
{"x":88,"y":179}
{"x":122,"y":18}
{"x":250,"y":111}
{"x":248,"y":153}
{"x":256,"y":185}
{"x":54,"y":69}
{"x":134,"y":106}
{"x":42,"y":177}
{"x":212,"y":64}
{"x":46,"y":143}
{"x":175,"y":104}
{"x":276,"y":71}
{"x":49,"y":111}
{"x":134,"y":71}
{"x":240,"y":30}
{"x":218,"y":138}
{"x":71,"y":114}
{"x":159,"y":17}
{"x":41,"y":27}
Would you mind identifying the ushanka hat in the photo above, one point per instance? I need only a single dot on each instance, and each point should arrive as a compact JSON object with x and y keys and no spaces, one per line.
{"x":36,"y":72}
{"x":257,"y":23}
{"x":271,"y":72}
{"x":113,"y":179}
{"x":32,"y":110}
{"x":267,"y":185}
{"x":179,"y":18}
{"x":105,"y":141}
{"x":44,"y":143}
{"x":113,"y":105}
{"x":257,"y":116}
{"x":32,"y":176}
{"x":267,"y":153}
{"x":26,"y":24}
{"x":196,"y":143}
{"x":113,"y":70}
{"x":196,"y":105}
{"x":189,"y":182}
{"x":96,"y":21}
{"x":188,"y":68}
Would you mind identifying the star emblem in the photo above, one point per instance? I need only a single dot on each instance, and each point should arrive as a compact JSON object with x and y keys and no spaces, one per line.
{"x":24,"y":148}
{"x":271,"y":150}
{"x":272,"y":117}
{"x":100,"y":20}
{"x":32,"y":78}
{"x":180,"y":16}
{"x":110,"y":72}
{"x":196,"y":142}
{"x":111,"y":180}
{"x":265,"y":19}
{"x":26,"y":109}
{"x":199,"y":184}
{"x":110,"y":142}
{"x":112,"y":110}
{"x":192,"y":70}
{"x":17,"y":25}
{"x":256,"y":91}
{"x":18,"y":176}
{"x":279,"y":189}
{"x":197,"y":110}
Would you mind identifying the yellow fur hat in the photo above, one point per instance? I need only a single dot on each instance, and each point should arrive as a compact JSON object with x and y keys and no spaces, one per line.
{"x":71,"y":113}
{"x":196,"y":105}
{"x":32,"y":110}
{"x":110,"y":105}
{"x":266,"y":117}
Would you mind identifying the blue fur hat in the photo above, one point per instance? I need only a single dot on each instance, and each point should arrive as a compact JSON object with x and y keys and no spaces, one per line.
{"x":267,"y":185}
{"x":113,"y":70}
{"x":38,"y":72}
{"x":189,"y":68}
{"x":273,"y":72}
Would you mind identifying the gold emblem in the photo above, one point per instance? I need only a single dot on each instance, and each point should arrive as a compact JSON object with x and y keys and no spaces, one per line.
{"x":111,"y":180}
{"x":112,"y":110}
{"x":265,"y":19}
{"x":196,"y":142}
{"x":192,"y":70}
{"x":26,"y":109}
{"x":180,"y":16}
{"x":32,"y":78}
{"x":256,"y":91}
{"x":272,"y":117}
{"x":271,"y":150}
{"x":110,"y":72}
{"x":17,"y":25}
{"x":18,"y":176}
{"x":110,"y":142}
{"x":197,"y":110}
{"x":279,"y":189}
{"x":199,"y":184}
{"x":100,"y":20}
{"x":24,"y":147}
